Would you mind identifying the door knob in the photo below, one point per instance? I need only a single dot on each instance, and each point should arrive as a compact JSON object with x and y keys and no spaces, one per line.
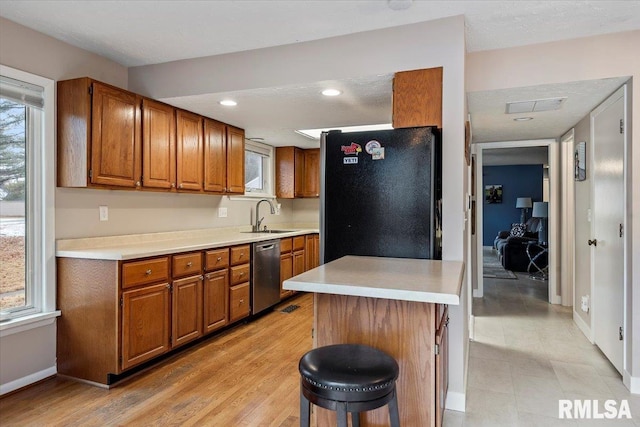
{"x":593,"y":242}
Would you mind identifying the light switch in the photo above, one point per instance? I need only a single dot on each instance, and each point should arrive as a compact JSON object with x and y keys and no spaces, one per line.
{"x":104,"y":213}
{"x":222,"y":212}
{"x":585,"y":303}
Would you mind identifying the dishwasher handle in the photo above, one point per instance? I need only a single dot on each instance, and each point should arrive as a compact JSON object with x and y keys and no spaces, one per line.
{"x":265,"y":247}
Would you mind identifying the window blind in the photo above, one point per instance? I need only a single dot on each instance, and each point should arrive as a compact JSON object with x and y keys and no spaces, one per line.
{"x":22,"y":92}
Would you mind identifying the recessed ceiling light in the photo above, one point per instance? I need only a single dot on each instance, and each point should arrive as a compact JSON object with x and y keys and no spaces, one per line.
{"x":331,"y":92}
{"x":522,"y":119}
{"x":228,"y":103}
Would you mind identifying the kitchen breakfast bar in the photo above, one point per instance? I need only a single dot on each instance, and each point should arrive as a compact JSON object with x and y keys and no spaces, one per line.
{"x":397,"y":305}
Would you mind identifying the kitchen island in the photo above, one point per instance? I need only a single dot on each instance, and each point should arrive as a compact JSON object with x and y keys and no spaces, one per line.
{"x":398,"y":306}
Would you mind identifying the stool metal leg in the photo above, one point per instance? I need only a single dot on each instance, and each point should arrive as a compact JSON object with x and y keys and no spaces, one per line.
{"x":305,"y":411}
{"x":341,"y":408}
{"x":394,"y":416}
{"x":355,"y":419}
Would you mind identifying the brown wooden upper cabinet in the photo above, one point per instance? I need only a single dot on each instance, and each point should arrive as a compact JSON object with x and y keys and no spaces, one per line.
{"x":158,"y":145}
{"x":99,"y":135}
{"x":111,"y":138}
{"x":417,"y":98}
{"x":297,"y":172}
{"x":223,"y":158}
{"x":189,"y":153}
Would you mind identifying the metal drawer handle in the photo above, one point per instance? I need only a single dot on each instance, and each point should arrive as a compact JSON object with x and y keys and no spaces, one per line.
{"x":242,"y":301}
{"x":148,"y":272}
{"x":241,"y":273}
{"x":219,"y":258}
{"x":189,"y":264}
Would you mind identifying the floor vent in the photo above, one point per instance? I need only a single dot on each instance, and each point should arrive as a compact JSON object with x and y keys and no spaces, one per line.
{"x":289,"y":308}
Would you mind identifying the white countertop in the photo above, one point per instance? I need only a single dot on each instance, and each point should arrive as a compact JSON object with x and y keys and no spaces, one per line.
{"x":420,"y":280}
{"x":133,"y":246}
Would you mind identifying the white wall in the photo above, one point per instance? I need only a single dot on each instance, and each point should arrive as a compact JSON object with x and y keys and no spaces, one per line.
{"x":610,"y":55}
{"x":30,"y":355}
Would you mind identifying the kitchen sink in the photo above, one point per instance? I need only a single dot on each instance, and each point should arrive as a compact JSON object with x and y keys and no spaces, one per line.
{"x":270,"y":231}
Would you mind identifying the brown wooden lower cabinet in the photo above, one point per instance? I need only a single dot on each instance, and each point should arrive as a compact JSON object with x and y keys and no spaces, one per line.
{"x":186,"y":311}
{"x":113,"y":319}
{"x":146,"y":315}
{"x":216,"y":297}
{"x":414,"y":333}
{"x":239,"y":306}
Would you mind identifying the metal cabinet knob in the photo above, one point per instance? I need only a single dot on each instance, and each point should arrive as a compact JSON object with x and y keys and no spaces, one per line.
{"x":219,"y":259}
{"x":173,"y":185}
{"x":189,"y":264}
{"x":138,"y":183}
{"x":241,"y":301}
{"x":180,"y":185}
{"x":148,"y":272}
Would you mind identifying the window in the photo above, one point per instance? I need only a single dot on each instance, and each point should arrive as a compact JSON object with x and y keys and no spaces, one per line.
{"x":258,"y":169}
{"x":26,"y":195}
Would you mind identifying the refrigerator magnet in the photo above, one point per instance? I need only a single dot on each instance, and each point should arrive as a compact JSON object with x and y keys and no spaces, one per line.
{"x":377,"y":153}
{"x":353,"y":149}
{"x":349,"y":160}
{"x":372,"y":145}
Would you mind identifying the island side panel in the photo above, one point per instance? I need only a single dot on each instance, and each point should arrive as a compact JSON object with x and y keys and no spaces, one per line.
{"x":88,"y":344}
{"x":403,"y":329}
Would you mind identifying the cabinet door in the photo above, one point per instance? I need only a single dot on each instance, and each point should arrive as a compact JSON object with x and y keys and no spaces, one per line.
{"x":215,"y":156}
{"x":286,"y":272}
{"x":158,"y":145}
{"x":235,"y":160}
{"x":285,"y":172}
{"x":116,"y":137}
{"x":187,"y":310}
{"x":145,"y":324}
{"x":216,"y":300}
{"x":316,"y":247}
{"x":417,"y":98}
{"x":312,"y":172}
{"x":298,"y":262}
{"x":442,"y":368}
{"x":239,"y":302}
{"x":189,"y":151}
{"x":299,"y":173}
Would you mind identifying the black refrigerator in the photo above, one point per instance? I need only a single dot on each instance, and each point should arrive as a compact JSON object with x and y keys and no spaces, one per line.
{"x":381,"y":194}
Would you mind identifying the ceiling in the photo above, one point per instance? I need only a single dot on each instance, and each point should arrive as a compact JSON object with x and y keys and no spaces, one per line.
{"x":134,"y":33}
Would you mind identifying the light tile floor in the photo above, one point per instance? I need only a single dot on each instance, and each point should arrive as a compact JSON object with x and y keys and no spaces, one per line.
{"x":528,"y":354}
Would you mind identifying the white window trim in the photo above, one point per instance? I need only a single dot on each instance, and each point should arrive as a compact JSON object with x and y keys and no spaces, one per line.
{"x":271,"y":153}
{"x":44,"y":168}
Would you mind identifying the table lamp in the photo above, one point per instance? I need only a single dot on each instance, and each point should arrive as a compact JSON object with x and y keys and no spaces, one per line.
{"x":541,"y":210}
{"x":523,"y":203}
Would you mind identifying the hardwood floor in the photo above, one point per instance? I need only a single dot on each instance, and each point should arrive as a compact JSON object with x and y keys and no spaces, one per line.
{"x":247,"y":376}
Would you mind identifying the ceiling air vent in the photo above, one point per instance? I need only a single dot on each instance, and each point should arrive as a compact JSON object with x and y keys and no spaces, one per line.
{"x":535,"y":106}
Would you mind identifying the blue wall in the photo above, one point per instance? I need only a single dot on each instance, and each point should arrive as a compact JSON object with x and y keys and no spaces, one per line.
{"x":517,"y":181}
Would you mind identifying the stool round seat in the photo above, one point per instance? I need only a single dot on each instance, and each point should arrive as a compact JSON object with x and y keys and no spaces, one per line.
{"x":348,"y":378}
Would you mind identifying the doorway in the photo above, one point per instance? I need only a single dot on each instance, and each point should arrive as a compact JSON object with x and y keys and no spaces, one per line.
{"x":481,"y":151}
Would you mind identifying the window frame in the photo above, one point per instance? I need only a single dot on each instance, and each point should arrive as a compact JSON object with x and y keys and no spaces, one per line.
{"x":268,"y":152}
{"x":40,"y":206}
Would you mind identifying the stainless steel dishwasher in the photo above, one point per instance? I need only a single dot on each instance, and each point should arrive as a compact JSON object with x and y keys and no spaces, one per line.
{"x":265,"y":275}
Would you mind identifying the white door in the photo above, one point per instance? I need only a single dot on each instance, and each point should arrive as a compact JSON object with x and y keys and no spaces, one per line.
{"x":607,"y":253}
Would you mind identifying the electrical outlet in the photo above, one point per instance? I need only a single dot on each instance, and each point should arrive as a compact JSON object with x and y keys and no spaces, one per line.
{"x":104,"y":213}
{"x":585,"y":303}
{"x":222,"y":212}
{"x":278,"y":207}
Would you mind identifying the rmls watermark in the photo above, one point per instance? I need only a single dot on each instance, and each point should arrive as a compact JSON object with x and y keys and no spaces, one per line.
{"x":592,"y":409}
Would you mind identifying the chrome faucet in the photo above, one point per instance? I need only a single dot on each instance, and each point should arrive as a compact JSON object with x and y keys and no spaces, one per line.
{"x":256,"y":226}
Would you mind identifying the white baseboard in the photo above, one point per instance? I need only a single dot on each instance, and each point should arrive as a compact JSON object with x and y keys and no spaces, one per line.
{"x":632,"y":383}
{"x":455,"y":401}
{"x":477,"y":293}
{"x":29,"y":379}
{"x":582,"y":325}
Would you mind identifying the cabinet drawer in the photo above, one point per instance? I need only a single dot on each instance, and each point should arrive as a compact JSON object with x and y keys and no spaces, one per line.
{"x":147,"y":271}
{"x":216,"y":259}
{"x":187,"y":264}
{"x":298,"y":243}
{"x":239,"y":302}
{"x":239,"y":274}
{"x":286,"y":245}
{"x":240,"y":254}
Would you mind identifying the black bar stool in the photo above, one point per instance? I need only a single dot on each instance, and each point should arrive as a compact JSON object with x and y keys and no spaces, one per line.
{"x":348,"y":378}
